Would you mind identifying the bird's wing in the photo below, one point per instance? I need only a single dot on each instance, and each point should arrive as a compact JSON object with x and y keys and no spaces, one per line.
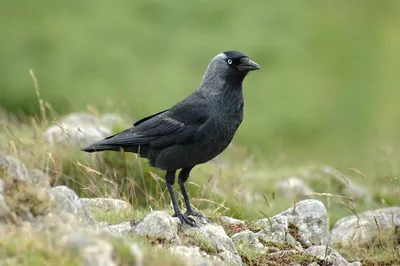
{"x":147,"y":118}
{"x":177,"y":125}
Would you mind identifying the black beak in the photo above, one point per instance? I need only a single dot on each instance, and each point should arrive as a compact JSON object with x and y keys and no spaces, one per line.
{"x":247,"y":65}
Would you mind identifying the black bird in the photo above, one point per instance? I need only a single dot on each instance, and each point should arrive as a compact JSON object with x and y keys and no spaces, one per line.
{"x":194,"y":130}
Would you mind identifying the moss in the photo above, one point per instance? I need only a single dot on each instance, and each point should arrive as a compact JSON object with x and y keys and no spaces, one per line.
{"x":231,"y":229}
{"x":122,"y":253}
{"x":277,"y":258}
{"x":115,"y":217}
{"x":25,"y":199}
{"x":196,"y":238}
{"x":34,"y":249}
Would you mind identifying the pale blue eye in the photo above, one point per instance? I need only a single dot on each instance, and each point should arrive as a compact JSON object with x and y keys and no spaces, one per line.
{"x":230,"y":61}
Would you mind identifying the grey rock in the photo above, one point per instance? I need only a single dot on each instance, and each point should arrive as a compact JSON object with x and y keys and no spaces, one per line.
{"x":328,"y":255}
{"x":13,"y":168}
{"x":67,"y":200}
{"x":4,"y":209}
{"x":310,"y":221}
{"x":348,"y":187}
{"x":191,"y":255}
{"x":40,"y":178}
{"x":247,"y":240}
{"x":313,"y":264}
{"x":106,"y":204}
{"x":110,"y":120}
{"x":271,"y":230}
{"x":59,"y":221}
{"x":351,"y":230}
{"x":158,"y":224}
{"x":230,"y":220}
{"x":121,"y":228}
{"x":293,"y":187}
{"x":216,"y":237}
{"x":136,"y":253}
{"x":94,"y":251}
{"x":82,"y":128}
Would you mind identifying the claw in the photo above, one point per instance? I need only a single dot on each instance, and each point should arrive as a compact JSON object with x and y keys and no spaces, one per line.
{"x":185,"y":219}
{"x":197,"y":214}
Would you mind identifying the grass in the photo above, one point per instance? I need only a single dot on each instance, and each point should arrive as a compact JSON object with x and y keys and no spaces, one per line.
{"x":224,"y":187}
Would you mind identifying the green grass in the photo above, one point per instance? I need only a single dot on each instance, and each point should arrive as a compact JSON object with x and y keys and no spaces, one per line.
{"x":327,"y":91}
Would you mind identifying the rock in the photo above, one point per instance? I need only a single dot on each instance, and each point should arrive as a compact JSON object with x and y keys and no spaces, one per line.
{"x":160,"y":225}
{"x":328,"y":255}
{"x":110,"y":120}
{"x":136,"y":253}
{"x":271,"y":230}
{"x":13,"y":168}
{"x":214,"y":238}
{"x":94,"y":251}
{"x":67,"y":200}
{"x":293,"y":187}
{"x":58,"y":221}
{"x":351,"y":230}
{"x":4,"y":209}
{"x":247,"y":240}
{"x":121,"y":228}
{"x":82,"y":128}
{"x":191,"y":255}
{"x":347,"y":187}
{"x":313,"y":264}
{"x":230,"y":220}
{"x":40,"y":178}
{"x":307,"y":222}
{"x":106,"y":204}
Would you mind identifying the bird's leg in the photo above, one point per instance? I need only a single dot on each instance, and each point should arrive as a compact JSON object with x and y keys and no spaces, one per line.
{"x":170,"y":179}
{"x":183,"y":177}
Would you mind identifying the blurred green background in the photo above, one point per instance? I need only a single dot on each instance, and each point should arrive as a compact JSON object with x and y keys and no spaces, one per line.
{"x":328,"y":90}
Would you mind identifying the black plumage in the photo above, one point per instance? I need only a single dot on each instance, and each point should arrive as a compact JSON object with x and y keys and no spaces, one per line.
{"x":194,"y":130}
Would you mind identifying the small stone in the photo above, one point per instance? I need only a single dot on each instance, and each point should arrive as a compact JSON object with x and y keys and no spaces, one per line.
{"x":158,"y":224}
{"x":191,"y":255}
{"x":77,"y":128}
{"x":328,"y":255}
{"x":121,"y":228}
{"x":363,"y":228}
{"x":216,"y":237}
{"x":106,"y":204}
{"x":247,"y":240}
{"x":309,"y":220}
{"x":68,"y":201}
{"x":13,"y":168}
{"x":271,"y":230}
{"x":232,"y":221}
{"x":293,"y":187}
{"x":4,"y":209}
{"x":40,"y":178}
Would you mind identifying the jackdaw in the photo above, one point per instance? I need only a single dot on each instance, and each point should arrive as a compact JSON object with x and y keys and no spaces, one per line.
{"x":194,"y":130}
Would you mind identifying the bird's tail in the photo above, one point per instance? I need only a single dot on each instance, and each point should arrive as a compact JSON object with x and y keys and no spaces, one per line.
{"x":123,"y":141}
{"x":101,"y":147}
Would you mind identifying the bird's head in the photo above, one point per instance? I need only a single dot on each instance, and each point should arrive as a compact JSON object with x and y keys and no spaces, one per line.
{"x":230,"y":66}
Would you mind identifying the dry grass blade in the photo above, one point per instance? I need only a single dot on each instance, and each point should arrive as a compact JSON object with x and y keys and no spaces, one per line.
{"x":328,"y":195}
{"x":156,"y":177}
{"x":357,"y":172}
{"x":62,"y":128}
{"x":88,"y":169}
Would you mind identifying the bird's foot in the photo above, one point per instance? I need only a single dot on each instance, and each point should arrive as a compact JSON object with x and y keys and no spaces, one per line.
{"x":197,"y":214}
{"x":185,"y":219}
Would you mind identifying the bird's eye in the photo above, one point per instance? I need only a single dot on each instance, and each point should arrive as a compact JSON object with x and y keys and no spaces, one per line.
{"x":230,"y":61}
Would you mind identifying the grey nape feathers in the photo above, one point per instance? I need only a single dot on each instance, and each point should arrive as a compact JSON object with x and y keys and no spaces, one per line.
{"x":194,"y":130}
